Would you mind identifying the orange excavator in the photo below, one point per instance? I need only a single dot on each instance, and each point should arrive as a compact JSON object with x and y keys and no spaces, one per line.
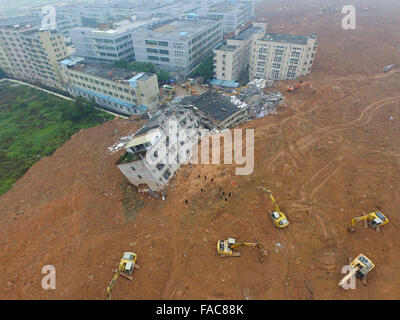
{"x":193,"y":91}
{"x":297,"y":86}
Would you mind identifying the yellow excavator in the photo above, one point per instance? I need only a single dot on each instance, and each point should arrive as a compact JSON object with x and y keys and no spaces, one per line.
{"x":360,"y":268}
{"x":125,"y":269}
{"x":375,"y":219}
{"x":277,"y":216}
{"x":237,"y":91}
{"x":228,"y":248}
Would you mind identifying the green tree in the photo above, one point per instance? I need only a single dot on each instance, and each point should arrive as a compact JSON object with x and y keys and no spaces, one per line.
{"x":205,"y":69}
{"x":163,"y":76}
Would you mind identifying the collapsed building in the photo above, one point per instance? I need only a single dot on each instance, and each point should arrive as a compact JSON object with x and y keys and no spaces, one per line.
{"x":216,"y":111}
{"x":158,"y":149}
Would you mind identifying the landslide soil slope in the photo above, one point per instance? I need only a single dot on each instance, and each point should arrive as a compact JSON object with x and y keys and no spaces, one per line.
{"x":328,"y":156}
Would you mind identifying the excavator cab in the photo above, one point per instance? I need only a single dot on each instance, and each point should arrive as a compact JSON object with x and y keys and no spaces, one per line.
{"x":361,"y":266}
{"x":379,"y":219}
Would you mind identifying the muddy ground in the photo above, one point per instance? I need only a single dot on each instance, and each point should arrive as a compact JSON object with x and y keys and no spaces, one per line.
{"x":328,"y":156}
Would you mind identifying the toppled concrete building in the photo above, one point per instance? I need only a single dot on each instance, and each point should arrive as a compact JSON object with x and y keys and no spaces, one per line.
{"x":158,"y":149}
{"x":217,"y":111}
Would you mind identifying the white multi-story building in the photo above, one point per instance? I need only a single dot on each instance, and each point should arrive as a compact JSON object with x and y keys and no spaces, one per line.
{"x":159,"y":148}
{"x":282,"y":57}
{"x":121,"y":91}
{"x":231,"y":60}
{"x":177,"y":45}
{"x":109,"y":43}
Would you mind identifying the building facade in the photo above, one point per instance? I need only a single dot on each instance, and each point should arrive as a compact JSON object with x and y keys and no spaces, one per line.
{"x":232,"y":14}
{"x":29,"y":54}
{"x":109,"y":43}
{"x":121,"y":91}
{"x":177,"y":45}
{"x":156,"y":151}
{"x":231,"y":60}
{"x":282,"y":57}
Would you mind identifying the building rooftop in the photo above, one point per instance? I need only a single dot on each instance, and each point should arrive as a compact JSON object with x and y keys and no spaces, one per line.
{"x":214,"y":105}
{"x":226,"y":47}
{"x":106,"y":72}
{"x":21,"y":21}
{"x":288,"y":38}
{"x":247,"y":33}
{"x":181,"y":29}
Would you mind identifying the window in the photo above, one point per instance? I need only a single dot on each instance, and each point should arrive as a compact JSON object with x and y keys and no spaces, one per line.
{"x":133,"y":168}
{"x":159,"y":166}
{"x":166,"y":174}
{"x":139,"y":176}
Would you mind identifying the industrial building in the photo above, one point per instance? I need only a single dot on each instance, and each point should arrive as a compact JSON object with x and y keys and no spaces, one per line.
{"x":108,"y":43}
{"x":232,"y":14}
{"x":156,"y":151}
{"x":231,"y":60}
{"x":282,"y":56}
{"x":118,"y":90}
{"x":31,"y":54}
{"x":177,"y":45}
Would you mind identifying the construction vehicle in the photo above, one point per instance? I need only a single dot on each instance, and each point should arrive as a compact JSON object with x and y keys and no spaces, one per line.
{"x":237,"y":91}
{"x":375,"y":220}
{"x":361,"y":266}
{"x":125,"y":269}
{"x":228,"y":248}
{"x":387,"y":68}
{"x":188,"y":86}
{"x":277,"y":216}
{"x":297,"y":86}
{"x":170,"y":90}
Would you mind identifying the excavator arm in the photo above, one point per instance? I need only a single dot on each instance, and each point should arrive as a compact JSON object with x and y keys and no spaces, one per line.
{"x":263,"y":252}
{"x":112,"y":284}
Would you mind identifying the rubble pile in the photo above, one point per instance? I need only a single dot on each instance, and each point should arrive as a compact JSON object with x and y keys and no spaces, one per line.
{"x":262,"y":104}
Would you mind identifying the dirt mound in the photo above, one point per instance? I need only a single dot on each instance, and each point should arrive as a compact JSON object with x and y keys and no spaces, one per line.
{"x":328,"y":156}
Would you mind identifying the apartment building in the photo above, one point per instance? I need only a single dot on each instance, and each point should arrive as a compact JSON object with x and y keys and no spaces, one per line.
{"x":231,"y":60}
{"x":177,"y":45}
{"x":118,"y":90}
{"x":27,"y":53}
{"x":157,"y":150}
{"x":109,"y":43}
{"x":282,"y":57}
{"x":233,"y":14}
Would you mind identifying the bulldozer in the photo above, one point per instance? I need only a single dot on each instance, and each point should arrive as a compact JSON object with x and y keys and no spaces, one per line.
{"x":228,"y":248}
{"x":297,"y":86}
{"x":278,"y":217}
{"x":125,"y":269}
{"x":361,"y":266}
{"x":375,"y":220}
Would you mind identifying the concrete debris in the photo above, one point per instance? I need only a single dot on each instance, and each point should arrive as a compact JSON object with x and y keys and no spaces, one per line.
{"x":120,"y":143}
{"x":261,"y":104}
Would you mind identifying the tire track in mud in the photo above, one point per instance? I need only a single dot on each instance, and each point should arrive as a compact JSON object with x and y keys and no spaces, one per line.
{"x":367,"y":112}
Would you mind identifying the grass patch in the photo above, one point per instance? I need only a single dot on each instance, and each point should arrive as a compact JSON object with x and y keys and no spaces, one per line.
{"x":33,"y":124}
